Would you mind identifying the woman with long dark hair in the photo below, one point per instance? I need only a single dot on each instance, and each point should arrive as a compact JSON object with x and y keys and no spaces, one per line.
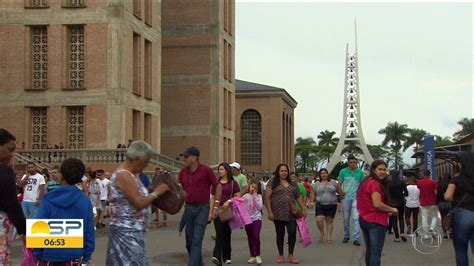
{"x":372,"y":199}
{"x":11,"y":213}
{"x":324,"y":194}
{"x":230,"y":189}
{"x":398,"y":192}
{"x":443,"y":205}
{"x":280,"y":194}
{"x":461,"y":192}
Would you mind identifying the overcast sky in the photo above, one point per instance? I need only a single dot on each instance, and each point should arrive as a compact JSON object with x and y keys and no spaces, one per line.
{"x":415,"y":61}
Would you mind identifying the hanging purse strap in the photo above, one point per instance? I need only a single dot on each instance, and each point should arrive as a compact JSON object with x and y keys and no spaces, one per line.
{"x":459,"y":203}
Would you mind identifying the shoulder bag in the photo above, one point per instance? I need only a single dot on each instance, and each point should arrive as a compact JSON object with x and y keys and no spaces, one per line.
{"x":448,"y":220}
{"x":226,"y":214}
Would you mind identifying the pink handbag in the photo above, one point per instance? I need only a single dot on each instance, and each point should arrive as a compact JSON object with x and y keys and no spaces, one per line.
{"x":241,"y":215}
{"x":304,"y":232}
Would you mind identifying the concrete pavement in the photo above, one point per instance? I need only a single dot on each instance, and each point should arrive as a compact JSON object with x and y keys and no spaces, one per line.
{"x":165,"y":247}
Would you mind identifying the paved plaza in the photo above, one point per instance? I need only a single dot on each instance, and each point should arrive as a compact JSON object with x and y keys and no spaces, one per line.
{"x":165,"y":247}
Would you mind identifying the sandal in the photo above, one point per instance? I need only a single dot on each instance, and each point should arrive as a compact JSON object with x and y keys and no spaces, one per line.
{"x":396,"y":240}
{"x":293,"y":260}
{"x":280,"y":259}
{"x":329,"y":241}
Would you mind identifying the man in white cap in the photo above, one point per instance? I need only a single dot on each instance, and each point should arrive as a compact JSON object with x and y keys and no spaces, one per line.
{"x":239,"y":177}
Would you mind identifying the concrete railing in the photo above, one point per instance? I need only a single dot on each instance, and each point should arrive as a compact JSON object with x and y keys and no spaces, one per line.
{"x":54,"y":156}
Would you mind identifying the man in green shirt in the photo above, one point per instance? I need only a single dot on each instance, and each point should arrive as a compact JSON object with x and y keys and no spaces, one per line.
{"x":239,"y":177}
{"x":350,"y":179}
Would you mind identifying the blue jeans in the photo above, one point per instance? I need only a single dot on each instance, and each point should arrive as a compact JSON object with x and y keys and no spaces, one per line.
{"x":195,"y":218}
{"x":350,"y":207}
{"x":29,"y":209}
{"x":463,"y":233}
{"x":374,"y":237}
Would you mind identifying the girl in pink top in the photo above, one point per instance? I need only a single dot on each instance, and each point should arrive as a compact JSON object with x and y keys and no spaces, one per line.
{"x":374,"y":212}
{"x":253,"y":202}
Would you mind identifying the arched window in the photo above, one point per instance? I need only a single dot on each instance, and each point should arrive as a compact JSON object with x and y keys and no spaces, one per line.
{"x":251,"y":138}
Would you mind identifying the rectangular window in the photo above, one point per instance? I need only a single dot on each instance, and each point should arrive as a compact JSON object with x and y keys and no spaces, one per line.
{"x":136,"y":63}
{"x":224,"y":60}
{"x":136,"y":125}
{"x":230,"y":17}
{"x":148,"y":70}
{"x":39,"y":57}
{"x":76,"y":56}
{"x":137,"y":8}
{"x":39,"y":128}
{"x":229,"y":150}
{"x":147,"y":127}
{"x":75,"y":3}
{"x":225,"y":107}
{"x":75,"y":127}
{"x":230,"y":103}
{"x":226,"y":15}
{"x":149,"y":12}
{"x":38,"y":3}
{"x":229,"y":63}
{"x":224,"y":150}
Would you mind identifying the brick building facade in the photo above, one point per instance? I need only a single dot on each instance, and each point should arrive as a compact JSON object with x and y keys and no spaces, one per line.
{"x":265,"y":127}
{"x":95,"y":73}
{"x":65,"y":62}
{"x":198,"y":84}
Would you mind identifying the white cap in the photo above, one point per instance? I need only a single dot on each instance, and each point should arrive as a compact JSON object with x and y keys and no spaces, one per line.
{"x":236,"y":165}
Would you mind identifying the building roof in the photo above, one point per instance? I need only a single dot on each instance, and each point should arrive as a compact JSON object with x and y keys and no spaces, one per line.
{"x":245,"y":87}
{"x":467,"y":139}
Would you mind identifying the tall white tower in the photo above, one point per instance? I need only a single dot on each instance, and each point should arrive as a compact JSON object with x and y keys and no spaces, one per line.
{"x":351,"y":132}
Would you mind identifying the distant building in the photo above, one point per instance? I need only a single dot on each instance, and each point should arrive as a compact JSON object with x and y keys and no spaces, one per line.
{"x":265,"y":126}
{"x":446,"y":156}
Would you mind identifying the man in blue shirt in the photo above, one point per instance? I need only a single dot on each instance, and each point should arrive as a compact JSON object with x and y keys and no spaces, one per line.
{"x":350,"y":179}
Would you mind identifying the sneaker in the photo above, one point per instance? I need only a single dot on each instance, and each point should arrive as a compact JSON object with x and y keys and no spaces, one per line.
{"x":356,"y":243}
{"x":215,"y":261}
{"x":252,"y":260}
{"x":228,"y":262}
{"x":346,"y":240}
{"x":259,"y":260}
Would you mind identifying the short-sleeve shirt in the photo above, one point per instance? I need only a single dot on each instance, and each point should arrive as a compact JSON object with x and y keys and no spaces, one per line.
{"x":104,"y":188}
{"x":413,"y":199}
{"x":31,"y":190}
{"x":326,"y":192}
{"x":351,"y":181}
{"x":365,"y":206}
{"x":468,"y":201}
{"x":241,"y":180}
{"x":198,"y":183}
{"x":427,"y":188}
{"x":228,"y":191}
{"x":281,"y":201}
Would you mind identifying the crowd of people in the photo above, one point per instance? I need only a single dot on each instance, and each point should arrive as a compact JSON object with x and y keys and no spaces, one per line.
{"x":377,"y":204}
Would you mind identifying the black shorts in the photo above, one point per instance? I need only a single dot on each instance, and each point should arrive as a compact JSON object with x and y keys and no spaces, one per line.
{"x":328,"y":211}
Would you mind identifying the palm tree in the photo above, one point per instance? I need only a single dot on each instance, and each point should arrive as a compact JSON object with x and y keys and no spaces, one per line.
{"x":467,"y":128}
{"x":395,"y":134}
{"x":304,"y":149}
{"x":326,"y":137}
{"x":415,"y":137}
{"x":442,"y":141}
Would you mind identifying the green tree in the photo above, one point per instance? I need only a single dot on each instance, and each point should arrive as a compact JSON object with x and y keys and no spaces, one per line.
{"x":326,"y":138}
{"x":304,"y":149}
{"x":415,"y":137}
{"x":395,"y":134}
{"x":467,"y":128}
{"x":442,"y":141}
{"x":379,"y":152}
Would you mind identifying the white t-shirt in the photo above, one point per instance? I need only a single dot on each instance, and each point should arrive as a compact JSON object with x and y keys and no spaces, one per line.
{"x":104,"y":188}
{"x":31,"y":189}
{"x":413,"y":199}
